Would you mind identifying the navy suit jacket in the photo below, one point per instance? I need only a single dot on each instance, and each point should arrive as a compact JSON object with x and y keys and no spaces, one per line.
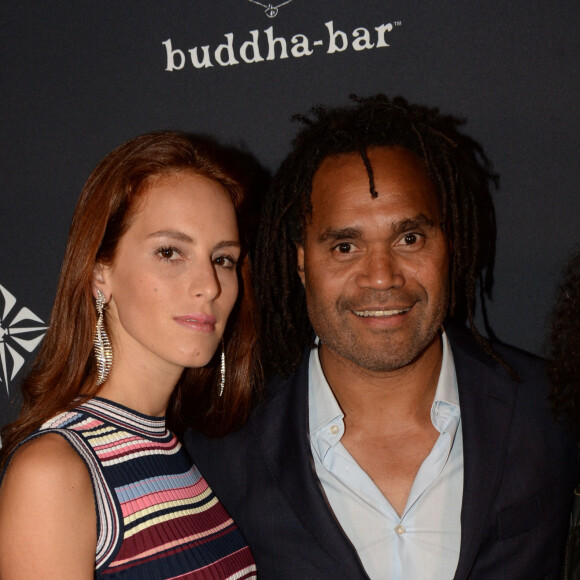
{"x":519,"y":473}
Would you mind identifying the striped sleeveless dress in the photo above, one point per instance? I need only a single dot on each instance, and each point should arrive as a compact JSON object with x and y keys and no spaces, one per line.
{"x":157,"y":518}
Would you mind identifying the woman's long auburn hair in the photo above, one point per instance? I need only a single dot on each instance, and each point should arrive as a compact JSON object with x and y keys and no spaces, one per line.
{"x":64,"y":372}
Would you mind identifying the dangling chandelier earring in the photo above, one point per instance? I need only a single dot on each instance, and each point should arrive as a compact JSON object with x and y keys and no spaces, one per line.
{"x":102,"y":344}
{"x":223,"y":370}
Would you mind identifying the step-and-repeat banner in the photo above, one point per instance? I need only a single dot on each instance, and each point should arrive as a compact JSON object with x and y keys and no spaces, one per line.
{"x":80,"y":78}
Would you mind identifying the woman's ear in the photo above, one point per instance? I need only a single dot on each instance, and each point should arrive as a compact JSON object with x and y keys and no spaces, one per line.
{"x":99,"y":281}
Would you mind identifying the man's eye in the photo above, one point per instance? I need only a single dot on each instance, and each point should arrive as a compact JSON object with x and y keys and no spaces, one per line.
{"x":411,"y":239}
{"x":344,"y":247}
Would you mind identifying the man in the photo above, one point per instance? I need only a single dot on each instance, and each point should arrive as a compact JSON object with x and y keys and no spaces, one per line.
{"x":398,"y":445}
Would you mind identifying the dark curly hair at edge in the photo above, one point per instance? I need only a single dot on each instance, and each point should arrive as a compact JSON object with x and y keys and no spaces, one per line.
{"x":462,"y":176}
{"x":564,"y":347}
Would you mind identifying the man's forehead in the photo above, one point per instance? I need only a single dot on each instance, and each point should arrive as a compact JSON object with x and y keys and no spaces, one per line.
{"x":397,"y":175}
{"x":342,"y":166}
{"x":376,"y":160}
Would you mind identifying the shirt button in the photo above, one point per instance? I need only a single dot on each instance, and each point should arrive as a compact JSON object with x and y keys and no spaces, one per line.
{"x":400,"y":529}
{"x":334,"y":429}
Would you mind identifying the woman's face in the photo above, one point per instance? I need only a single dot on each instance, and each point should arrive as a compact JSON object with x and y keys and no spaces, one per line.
{"x":173,"y":281}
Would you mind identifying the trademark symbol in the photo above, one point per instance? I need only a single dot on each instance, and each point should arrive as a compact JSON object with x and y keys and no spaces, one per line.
{"x":397,"y":23}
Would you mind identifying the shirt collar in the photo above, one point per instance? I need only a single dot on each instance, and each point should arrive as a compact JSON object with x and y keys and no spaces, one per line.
{"x":323,"y":408}
{"x":445,"y":411}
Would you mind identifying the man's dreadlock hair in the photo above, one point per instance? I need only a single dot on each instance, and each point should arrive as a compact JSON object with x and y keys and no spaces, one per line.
{"x":564,"y":347}
{"x":462,"y":176}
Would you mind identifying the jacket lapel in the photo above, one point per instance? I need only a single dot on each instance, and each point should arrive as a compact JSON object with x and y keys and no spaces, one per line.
{"x":487,"y":401}
{"x":282,"y":433}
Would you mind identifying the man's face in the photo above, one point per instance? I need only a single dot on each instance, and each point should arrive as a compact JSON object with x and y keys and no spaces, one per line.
{"x":375,"y":270}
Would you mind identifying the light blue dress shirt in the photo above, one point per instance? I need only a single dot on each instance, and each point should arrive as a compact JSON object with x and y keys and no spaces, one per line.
{"x":423,"y":543}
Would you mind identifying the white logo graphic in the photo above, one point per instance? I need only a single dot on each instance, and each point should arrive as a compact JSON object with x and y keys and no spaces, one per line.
{"x":271,"y":11}
{"x":17,"y":333}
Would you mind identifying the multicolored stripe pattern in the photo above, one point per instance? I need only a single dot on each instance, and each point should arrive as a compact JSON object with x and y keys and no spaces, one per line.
{"x":157,"y":517}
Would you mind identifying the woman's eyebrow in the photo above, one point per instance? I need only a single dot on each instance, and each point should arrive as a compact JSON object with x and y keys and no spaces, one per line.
{"x":174,"y":234}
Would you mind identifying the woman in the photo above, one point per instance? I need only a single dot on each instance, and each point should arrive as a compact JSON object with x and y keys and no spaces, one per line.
{"x":564,"y":371}
{"x":94,"y":484}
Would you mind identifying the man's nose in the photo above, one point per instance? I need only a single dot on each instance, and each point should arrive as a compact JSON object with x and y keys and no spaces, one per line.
{"x":381,"y":269}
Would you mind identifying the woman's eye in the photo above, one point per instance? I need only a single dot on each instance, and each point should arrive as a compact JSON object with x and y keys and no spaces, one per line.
{"x":168,"y":254}
{"x":225,"y":261}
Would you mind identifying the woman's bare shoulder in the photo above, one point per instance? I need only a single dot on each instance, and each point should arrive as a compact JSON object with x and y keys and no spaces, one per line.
{"x":50,"y":454}
{"x":47,"y":509}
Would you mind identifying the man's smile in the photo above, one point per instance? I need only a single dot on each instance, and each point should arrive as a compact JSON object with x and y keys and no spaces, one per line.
{"x":380,"y":313}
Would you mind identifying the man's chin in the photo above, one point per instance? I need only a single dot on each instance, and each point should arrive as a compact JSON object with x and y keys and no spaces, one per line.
{"x":382,"y":355}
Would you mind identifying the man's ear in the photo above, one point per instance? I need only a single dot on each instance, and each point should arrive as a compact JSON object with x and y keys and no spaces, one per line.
{"x":100,"y":281}
{"x":300,"y":261}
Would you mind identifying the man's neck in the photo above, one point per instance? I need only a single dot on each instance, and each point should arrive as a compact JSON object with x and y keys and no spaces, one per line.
{"x":406,"y":393}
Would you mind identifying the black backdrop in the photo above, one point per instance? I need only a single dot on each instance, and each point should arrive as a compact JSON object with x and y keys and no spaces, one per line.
{"x":79,"y":78}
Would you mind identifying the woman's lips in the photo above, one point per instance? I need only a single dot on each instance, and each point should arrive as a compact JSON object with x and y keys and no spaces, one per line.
{"x":198,"y":321}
